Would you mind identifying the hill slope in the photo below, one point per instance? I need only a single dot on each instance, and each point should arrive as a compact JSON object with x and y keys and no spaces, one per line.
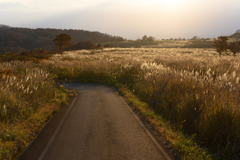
{"x":42,"y":38}
{"x":235,"y":35}
{"x":4,"y":26}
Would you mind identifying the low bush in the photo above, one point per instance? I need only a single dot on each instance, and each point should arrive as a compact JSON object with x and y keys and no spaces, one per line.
{"x":82,"y":45}
{"x":36,"y":56}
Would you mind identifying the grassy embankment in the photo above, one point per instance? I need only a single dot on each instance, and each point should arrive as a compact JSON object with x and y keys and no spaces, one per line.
{"x":190,"y":95}
{"x":29,"y":97}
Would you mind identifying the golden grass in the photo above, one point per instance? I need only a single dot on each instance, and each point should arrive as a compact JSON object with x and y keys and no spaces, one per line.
{"x":28,"y":98}
{"x":162,"y":44}
{"x":194,"y":90}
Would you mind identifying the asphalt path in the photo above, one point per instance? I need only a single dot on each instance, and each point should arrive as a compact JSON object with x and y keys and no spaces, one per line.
{"x":96,"y":125}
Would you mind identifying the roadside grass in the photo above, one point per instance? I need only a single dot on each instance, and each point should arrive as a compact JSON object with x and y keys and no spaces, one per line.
{"x":185,"y":145}
{"x":29,"y":97}
{"x":14,"y":137}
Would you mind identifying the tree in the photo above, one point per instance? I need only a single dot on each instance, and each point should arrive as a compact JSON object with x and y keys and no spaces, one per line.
{"x":195,"y":38}
{"x":150,"y":38}
{"x":144,"y":38}
{"x":83,"y":45}
{"x":62,"y":40}
{"x":221,"y":44}
{"x":234,"y":47}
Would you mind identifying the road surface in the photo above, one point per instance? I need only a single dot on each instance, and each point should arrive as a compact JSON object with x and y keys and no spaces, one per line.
{"x":97,"y":125}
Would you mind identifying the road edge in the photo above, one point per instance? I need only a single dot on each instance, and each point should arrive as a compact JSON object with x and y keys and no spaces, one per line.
{"x":35,"y":137}
{"x":155,"y":141}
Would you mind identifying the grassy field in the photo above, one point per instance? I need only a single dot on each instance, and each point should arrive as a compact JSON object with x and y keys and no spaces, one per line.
{"x":191,"y":96}
{"x":194,"y":89}
{"x":162,"y":44}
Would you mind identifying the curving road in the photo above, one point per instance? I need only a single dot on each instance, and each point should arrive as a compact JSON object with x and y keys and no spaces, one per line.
{"x":96,"y":125}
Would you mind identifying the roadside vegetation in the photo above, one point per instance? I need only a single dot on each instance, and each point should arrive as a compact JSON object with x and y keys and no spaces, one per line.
{"x":29,"y":97}
{"x":191,"y":96}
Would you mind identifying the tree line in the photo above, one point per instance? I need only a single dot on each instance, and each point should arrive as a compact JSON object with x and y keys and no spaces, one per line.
{"x":63,"y":42}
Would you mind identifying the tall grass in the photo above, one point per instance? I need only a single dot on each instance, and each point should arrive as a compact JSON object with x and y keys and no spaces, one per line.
{"x":28,"y":95}
{"x":194,"y":89}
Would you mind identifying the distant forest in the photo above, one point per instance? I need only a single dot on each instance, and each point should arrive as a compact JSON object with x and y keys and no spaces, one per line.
{"x":20,"y":39}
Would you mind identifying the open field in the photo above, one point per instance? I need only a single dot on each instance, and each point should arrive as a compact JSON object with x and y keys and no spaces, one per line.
{"x":163,"y":44}
{"x":191,"y":95}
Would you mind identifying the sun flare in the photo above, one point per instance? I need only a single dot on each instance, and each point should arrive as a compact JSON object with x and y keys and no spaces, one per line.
{"x":169,"y":1}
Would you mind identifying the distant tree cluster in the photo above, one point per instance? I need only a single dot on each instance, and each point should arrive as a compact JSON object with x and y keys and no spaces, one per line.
{"x":195,"y":38}
{"x":84,"y":45}
{"x":148,"y":39}
{"x":222,"y":45}
{"x":234,"y":47}
{"x":64,"y":41}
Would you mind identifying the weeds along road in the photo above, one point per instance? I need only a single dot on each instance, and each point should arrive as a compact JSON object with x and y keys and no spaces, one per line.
{"x":97,"y":126}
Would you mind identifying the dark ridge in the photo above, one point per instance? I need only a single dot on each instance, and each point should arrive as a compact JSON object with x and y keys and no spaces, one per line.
{"x":4,"y":26}
{"x":28,"y":39}
{"x":235,"y":35}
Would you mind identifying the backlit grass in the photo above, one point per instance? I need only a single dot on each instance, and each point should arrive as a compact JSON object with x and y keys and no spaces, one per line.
{"x":191,"y":95}
{"x":194,"y":89}
{"x":28,"y":98}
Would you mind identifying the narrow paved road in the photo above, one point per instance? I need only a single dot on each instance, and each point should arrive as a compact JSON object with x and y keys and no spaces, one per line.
{"x":98,"y":126}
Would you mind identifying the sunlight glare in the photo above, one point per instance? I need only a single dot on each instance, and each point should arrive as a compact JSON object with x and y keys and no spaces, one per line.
{"x":168,"y":1}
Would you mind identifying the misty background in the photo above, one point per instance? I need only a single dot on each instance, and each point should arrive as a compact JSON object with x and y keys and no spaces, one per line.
{"x":130,"y":19}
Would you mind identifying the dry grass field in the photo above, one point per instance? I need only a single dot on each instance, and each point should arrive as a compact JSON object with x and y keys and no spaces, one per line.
{"x":191,"y":95}
{"x":195,"y":89}
{"x":28,"y":99}
{"x":163,"y":44}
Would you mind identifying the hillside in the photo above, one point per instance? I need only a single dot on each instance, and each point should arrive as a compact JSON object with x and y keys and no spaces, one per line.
{"x":25,"y":38}
{"x":4,"y":26}
{"x":235,"y":35}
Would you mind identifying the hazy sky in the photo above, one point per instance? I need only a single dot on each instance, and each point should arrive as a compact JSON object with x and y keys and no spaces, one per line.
{"x":130,"y":19}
